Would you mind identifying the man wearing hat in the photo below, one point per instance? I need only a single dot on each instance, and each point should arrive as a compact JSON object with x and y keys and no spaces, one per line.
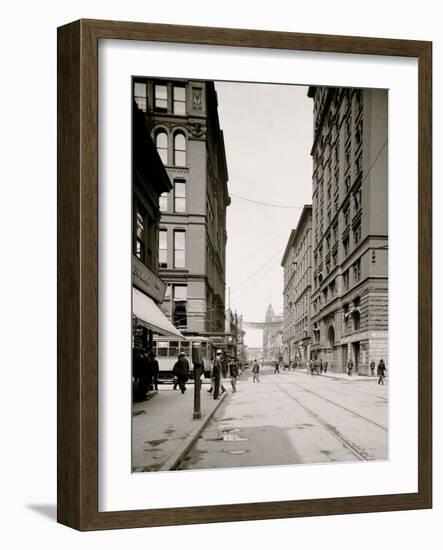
{"x":181,"y":372}
{"x":216,"y":372}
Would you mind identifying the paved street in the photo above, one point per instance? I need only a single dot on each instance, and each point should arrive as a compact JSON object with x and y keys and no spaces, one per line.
{"x":295,"y":418}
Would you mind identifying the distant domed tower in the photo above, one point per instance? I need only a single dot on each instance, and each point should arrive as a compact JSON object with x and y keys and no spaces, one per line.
{"x":270,"y":313}
{"x":272,"y":327}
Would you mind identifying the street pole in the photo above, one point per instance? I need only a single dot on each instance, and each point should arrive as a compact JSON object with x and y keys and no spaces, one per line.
{"x":197,"y":386}
{"x":198,"y":364}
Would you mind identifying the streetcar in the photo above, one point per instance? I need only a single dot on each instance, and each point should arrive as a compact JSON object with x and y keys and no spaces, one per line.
{"x":167,"y":351}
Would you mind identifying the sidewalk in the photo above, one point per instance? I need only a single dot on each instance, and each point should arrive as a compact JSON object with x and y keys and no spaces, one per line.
{"x":163,"y":429}
{"x":342,"y":376}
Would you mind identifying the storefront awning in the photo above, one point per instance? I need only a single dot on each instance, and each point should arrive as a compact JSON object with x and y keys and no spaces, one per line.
{"x":150,"y":315}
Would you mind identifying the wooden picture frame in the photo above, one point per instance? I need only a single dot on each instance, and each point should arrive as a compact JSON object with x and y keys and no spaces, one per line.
{"x":78,"y":274}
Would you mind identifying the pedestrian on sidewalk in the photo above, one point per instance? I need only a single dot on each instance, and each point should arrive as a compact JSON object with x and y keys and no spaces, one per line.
{"x":256,"y":371}
{"x":314,"y":366}
{"x":233,"y":371}
{"x":325,"y":367}
{"x":372,"y":367}
{"x":138,"y":376}
{"x":350,"y":366}
{"x":181,"y":371}
{"x":381,"y":372}
{"x":321,"y":366}
{"x":154,"y":369}
{"x":216,"y":373}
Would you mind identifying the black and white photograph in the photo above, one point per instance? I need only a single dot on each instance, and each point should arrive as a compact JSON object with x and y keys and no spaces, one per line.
{"x":259,"y":274}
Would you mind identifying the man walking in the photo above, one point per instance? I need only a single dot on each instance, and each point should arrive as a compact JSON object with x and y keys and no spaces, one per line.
{"x":154,"y":369}
{"x":372,"y":367}
{"x":350,"y":366}
{"x":325,"y":367}
{"x":256,"y":371}
{"x":381,"y":372}
{"x":181,"y":371}
{"x":276,"y":369}
{"x":233,"y":371}
{"x":216,"y":373}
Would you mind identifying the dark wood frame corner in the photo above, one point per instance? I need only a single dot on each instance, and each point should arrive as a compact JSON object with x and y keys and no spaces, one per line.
{"x":77,"y":457}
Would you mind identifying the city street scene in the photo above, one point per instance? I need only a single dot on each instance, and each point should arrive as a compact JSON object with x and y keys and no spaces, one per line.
{"x":259,"y":275}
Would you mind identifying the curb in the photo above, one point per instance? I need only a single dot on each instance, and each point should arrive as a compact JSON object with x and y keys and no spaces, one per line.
{"x":352,"y":378}
{"x":174,"y":461}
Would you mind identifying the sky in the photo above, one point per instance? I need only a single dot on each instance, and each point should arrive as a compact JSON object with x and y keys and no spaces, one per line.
{"x":268,"y":137}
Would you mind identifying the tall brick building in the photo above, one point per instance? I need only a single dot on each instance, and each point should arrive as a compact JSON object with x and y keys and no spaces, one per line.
{"x":297,"y":282}
{"x":182,"y":119}
{"x":350,"y":227}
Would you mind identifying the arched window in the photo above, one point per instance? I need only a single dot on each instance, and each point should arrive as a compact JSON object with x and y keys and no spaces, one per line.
{"x":179,"y":149}
{"x":161,"y":142}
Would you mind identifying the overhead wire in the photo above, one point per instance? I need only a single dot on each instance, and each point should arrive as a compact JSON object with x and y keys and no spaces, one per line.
{"x":262,"y":203}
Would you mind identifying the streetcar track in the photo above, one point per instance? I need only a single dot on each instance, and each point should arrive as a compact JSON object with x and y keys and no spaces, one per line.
{"x":362,"y":455}
{"x":338,"y":405}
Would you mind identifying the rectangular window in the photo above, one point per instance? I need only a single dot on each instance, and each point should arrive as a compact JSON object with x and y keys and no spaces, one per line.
{"x":346,"y":246}
{"x":161,"y":97}
{"x":162,"y":349}
{"x":179,"y":196}
{"x":356,"y":270}
{"x":140,"y":236}
{"x":173,"y":349}
{"x":346,"y":280}
{"x":179,"y":310}
{"x":179,"y":248}
{"x":163,"y":248}
{"x":163,"y":202}
{"x":357,"y":200}
{"x":140,"y":95}
{"x":357,"y":234}
{"x":179,"y":100}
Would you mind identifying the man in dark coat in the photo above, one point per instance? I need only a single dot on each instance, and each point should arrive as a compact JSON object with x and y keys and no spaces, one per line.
{"x":154,"y":369}
{"x":181,"y":372}
{"x":216,"y":372}
{"x":350,"y":366}
{"x":137,"y":375}
{"x":381,"y":372}
{"x":233,"y":371}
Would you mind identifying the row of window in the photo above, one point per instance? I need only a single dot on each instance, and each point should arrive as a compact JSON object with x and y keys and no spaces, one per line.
{"x":179,"y":149}
{"x":179,"y":248}
{"x":329,"y":292}
{"x":145,"y":234}
{"x":178,"y":198}
{"x":356,"y":272}
{"x":162,"y":103}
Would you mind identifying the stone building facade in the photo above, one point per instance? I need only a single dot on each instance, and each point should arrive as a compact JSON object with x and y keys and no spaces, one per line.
{"x":297,"y":280}
{"x":350,"y":227}
{"x":182,"y":118}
